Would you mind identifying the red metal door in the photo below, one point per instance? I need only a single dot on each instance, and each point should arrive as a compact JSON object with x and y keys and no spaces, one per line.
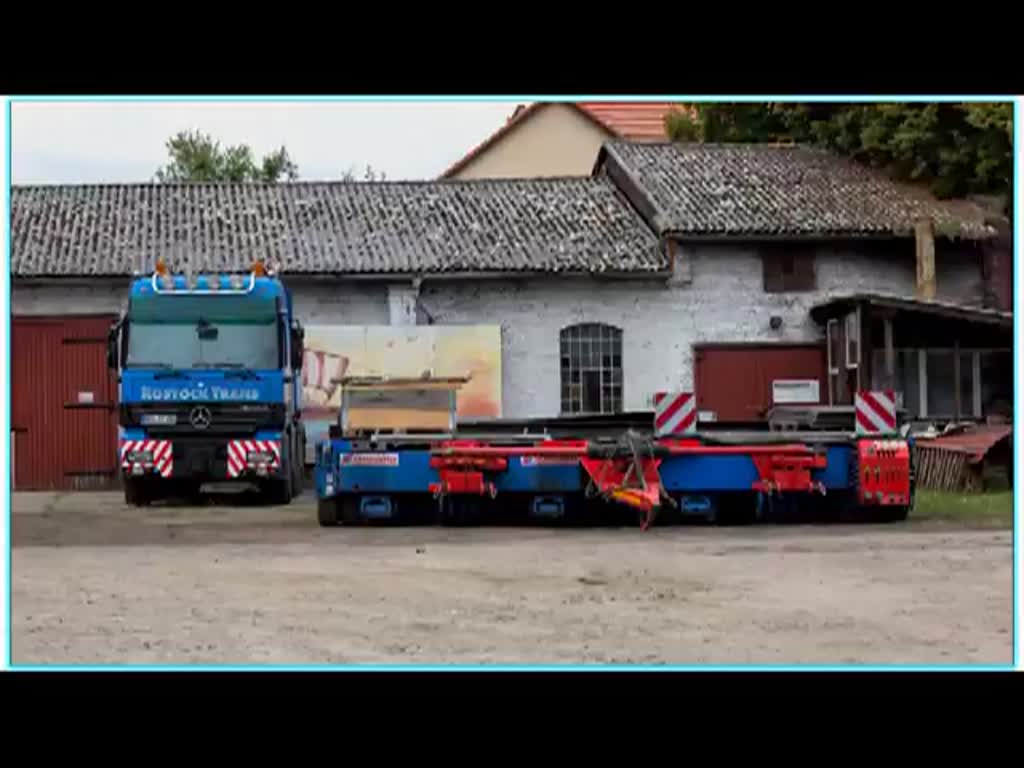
{"x":734,"y":381}
{"x":64,"y":413}
{"x":89,"y":402}
{"x":35,"y":413}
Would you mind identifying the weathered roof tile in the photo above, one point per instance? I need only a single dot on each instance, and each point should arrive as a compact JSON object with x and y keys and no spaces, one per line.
{"x":768,"y":189}
{"x":535,"y":225}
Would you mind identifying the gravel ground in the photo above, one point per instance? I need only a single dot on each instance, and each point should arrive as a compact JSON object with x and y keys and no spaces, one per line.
{"x":97,"y":582}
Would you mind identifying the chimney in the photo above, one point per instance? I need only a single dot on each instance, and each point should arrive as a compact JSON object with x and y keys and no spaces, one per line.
{"x":924,"y":238}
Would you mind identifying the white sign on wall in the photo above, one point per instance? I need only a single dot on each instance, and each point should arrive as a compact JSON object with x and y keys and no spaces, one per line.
{"x":787,"y":391}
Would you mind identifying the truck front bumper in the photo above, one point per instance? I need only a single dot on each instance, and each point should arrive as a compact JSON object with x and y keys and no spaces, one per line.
{"x":210,"y":459}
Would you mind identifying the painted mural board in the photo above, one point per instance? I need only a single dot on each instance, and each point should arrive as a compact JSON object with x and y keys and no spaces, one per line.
{"x":337,"y":351}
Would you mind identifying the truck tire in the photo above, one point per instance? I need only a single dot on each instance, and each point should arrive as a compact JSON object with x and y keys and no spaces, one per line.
{"x":327,"y":512}
{"x":280,"y":491}
{"x":136,"y":493}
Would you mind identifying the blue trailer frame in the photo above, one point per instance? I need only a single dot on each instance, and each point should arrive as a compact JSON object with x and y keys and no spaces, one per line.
{"x":847,"y":476}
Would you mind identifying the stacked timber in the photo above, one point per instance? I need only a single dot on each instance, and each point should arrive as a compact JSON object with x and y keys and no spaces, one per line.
{"x":398,"y":405}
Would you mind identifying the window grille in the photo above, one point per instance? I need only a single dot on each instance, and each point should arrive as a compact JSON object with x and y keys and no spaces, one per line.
{"x":591,"y":356}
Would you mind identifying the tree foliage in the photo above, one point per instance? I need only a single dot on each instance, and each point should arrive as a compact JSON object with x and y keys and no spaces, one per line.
{"x":369,"y":174}
{"x":956,"y":149}
{"x":195,"y":156}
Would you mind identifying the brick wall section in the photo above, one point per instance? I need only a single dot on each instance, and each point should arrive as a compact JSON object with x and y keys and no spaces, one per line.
{"x":721,"y":298}
{"x":316,"y":302}
{"x":359,"y":302}
{"x":724,"y":301}
{"x":69,"y":298}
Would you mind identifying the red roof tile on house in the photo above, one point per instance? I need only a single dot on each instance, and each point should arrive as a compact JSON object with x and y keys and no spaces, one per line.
{"x":631,"y":121}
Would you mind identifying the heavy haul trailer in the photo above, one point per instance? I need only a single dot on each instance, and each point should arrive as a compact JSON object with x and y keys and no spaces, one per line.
{"x":670,"y":472}
{"x":208,"y":378}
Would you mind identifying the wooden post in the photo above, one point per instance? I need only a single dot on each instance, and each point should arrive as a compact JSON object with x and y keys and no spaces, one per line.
{"x":865,"y":374}
{"x":924,"y":238}
{"x":890,"y":354}
{"x":956,"y":379}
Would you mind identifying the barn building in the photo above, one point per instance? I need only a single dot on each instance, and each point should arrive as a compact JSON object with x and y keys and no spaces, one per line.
{"x":719,"y":268}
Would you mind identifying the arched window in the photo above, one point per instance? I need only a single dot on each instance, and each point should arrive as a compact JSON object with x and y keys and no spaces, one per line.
{"x":591,"y":355}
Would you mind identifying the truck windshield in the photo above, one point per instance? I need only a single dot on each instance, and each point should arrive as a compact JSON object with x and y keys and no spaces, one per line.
{"x":202,"y":332}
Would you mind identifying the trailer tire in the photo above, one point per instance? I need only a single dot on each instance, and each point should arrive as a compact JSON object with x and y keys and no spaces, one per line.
{"x":895,"y":514}
{"x":327,"y":512}
{"x":349,"y":505}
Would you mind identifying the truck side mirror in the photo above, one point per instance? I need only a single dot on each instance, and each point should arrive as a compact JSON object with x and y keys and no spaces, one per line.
{"x":112,"y":347}
{"x":298,"y":347}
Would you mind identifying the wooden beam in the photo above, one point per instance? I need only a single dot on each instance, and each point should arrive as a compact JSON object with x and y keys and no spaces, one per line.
{"x":958,"y":410}
{"x":865,"y":375}
{"x":924,"y":240}
{"x":890,"y":354}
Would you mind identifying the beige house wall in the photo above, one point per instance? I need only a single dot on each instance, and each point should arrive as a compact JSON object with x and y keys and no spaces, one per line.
{"x":556,"y":140}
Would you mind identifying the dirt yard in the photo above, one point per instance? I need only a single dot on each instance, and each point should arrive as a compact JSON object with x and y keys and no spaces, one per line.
{"x":97,"y":582}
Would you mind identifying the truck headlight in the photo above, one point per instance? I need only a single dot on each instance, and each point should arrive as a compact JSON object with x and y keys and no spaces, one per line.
{"x":159,"y":419}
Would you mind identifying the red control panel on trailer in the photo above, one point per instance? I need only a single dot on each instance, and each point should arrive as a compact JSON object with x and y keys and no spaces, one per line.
{"x":883,"y":472}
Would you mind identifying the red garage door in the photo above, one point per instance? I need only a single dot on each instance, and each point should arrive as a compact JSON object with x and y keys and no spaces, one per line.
{"x":734,"y":381}
{"x":63,"y":403}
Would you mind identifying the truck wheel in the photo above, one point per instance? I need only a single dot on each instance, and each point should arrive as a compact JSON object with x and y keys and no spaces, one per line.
{"x":280,"y":491}
{"x":327,"y":512}
{"x":136,"y":494}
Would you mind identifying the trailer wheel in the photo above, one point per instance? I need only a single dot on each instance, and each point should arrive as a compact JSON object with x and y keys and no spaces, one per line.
{"x":349,"y":505}
{"x":895,"y":514}
{"x":327,"y":512}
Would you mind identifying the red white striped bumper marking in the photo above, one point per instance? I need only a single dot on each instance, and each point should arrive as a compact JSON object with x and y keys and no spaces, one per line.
{"x":239,"y":450}
{"x":675,"y":413}
{"x":875,"y":412}
{"x":161,"y":451}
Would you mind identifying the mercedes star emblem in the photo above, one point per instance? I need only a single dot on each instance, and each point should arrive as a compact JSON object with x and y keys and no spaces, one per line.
{"x":200,"y":417}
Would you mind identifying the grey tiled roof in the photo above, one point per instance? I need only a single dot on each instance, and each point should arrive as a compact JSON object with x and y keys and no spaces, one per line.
{"x":549,"y":225}
{"x":764,"y":189}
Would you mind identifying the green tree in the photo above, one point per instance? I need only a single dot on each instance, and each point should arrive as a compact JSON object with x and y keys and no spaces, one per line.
{"x":195,"y":156}
{"x":956,"y":149}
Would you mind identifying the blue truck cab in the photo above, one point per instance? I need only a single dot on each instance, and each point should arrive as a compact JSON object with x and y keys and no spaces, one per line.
{"x":209,"y":385}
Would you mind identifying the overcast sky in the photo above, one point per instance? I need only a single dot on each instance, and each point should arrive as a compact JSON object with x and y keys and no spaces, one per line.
{"x":55,"y":142}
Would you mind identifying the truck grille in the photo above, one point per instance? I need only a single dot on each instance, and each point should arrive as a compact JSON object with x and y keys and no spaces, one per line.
{"x":225,"y":418}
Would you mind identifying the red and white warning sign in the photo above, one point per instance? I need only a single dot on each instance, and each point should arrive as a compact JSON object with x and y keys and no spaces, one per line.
{"x":675,"y":413}
{"x":875,"y":412}
{"x":140,"y":456}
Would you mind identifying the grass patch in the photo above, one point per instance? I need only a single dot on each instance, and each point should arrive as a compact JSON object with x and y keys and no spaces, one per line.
{"x":993,"y":509}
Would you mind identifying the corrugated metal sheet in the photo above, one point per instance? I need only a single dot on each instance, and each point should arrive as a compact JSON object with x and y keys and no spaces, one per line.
{"x":975,"y":442}
{"x":63,"y":403}
{"x":735,"y":380}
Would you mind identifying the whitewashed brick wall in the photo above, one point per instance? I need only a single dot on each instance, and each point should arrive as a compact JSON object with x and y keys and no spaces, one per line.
{"x":721,"y":300}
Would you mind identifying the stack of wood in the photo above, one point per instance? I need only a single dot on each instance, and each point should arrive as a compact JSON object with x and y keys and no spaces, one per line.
{"x":386,"y":404}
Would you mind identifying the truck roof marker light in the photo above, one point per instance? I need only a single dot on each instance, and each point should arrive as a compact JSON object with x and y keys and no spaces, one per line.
{"x":259,"y":269}
{"x":161,"y":267}
{"x":236,"y":282}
